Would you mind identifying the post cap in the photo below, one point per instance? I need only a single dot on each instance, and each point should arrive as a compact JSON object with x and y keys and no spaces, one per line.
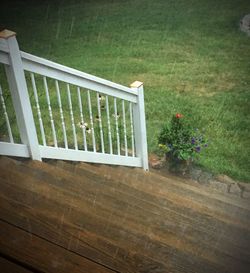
{"x":5,"y":34}
{"x":136,"y":84}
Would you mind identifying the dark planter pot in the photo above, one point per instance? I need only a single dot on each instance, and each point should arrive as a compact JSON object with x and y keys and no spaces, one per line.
{"x":178,"y":166}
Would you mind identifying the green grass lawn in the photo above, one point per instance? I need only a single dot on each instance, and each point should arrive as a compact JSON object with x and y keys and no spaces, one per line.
{"x":190,"y":55}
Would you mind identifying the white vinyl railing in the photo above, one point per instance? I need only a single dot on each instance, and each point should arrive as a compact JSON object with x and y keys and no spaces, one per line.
{"x":63,"y":113}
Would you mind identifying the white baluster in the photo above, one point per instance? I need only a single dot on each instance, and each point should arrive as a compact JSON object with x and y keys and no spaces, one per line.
{"x":124,"y":128}
{"x":6,"y":116}
{"x":72,"y":117}
{"x":132,"y":129}
{"x":50,"y":111}
{"x":61,"y":114}
{"x":100,"y":120}
{"x":91,"y":122}
{"x":117,"y":128}
{"x":82,"y":119}
{"x":109,"y":127}
{"x":33,"y":81}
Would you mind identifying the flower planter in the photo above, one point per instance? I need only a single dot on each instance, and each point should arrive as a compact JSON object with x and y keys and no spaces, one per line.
{"x":178,"y":166}
{"x":181,"y":143}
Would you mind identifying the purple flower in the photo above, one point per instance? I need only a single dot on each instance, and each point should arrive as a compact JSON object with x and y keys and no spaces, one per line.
{"x":197,"y":149}
{"x":205,"y":145}
{"x":193,"y":140}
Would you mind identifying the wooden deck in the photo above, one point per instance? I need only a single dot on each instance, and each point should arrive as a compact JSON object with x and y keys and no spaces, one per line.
{"x":62,"y":217}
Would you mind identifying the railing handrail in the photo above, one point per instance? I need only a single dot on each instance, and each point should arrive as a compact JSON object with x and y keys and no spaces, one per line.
{"x":60,"y":72}
{"x":63,"y":73}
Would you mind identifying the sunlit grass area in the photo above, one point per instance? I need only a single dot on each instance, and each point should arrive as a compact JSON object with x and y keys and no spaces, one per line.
{"x":190,"y":55}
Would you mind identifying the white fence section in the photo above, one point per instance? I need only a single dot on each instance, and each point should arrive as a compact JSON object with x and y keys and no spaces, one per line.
{"x":63,"y":113}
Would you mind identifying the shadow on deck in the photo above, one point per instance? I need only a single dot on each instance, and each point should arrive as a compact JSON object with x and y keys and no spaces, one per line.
{"x":62,"y":217}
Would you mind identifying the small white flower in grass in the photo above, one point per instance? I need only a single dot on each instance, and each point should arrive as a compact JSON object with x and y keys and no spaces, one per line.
{"x":88,"y":130}
{"x":82,"y":124}
{"x":116,"y":115}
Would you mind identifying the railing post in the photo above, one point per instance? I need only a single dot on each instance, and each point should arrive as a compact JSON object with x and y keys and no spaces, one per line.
{"x":140,"y":125}
{"x":20,"y":96}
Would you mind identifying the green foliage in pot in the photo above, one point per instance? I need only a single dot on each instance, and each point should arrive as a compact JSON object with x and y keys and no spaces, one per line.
{"x":179,"y":140}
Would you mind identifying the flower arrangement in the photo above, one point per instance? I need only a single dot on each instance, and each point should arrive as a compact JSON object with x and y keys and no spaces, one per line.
{"x":179,"y":140}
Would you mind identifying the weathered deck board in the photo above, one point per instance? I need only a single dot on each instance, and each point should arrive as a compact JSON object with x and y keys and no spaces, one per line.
{"x":22,"y":245}
{"x":128,"y":223}
{"x":7,"y":266}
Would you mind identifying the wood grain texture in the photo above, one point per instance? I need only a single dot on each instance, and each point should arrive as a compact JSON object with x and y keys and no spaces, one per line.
{"x":124,"y":219}
{"x":7,"y":266}
{"x":5,"y":34}
{"x":48,"y":257}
